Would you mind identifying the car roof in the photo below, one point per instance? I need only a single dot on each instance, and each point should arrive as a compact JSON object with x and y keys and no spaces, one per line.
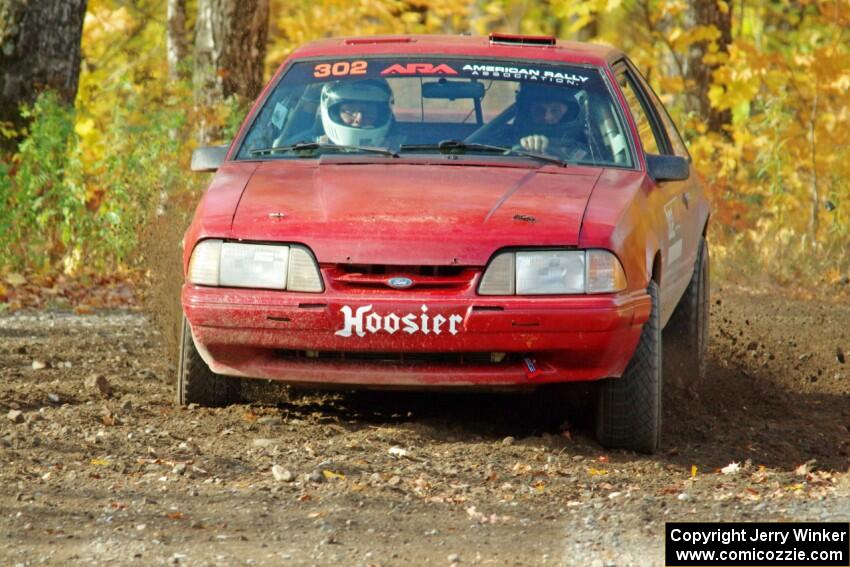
{"x":495,"y":46}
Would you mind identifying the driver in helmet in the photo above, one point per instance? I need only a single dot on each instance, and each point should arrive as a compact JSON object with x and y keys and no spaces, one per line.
{"x":356,"y":113}
{"x":546,"y":121}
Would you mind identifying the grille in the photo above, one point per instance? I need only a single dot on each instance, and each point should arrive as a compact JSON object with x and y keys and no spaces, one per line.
{"x":377,"y":275}
{"x":401,"y":358}
{"x":384,"y":269}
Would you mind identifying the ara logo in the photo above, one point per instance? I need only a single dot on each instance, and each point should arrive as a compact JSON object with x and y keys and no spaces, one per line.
{"x":418,"y":69}
{"x":362,"y":320}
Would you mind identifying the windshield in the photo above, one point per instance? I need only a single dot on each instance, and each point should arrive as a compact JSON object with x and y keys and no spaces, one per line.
{"x":433,"y":105}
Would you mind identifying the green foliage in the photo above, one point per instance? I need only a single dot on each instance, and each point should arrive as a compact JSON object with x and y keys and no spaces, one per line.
{"x":67,"y":209}
{"x":138,"y":170}
{"x":5,"y":202}
{"x":44,"y":205}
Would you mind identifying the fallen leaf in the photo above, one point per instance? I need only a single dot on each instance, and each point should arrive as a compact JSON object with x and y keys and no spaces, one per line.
{"x":521,"y":468}
{"x":331,"y":475}
{"x":731,"y":468}
{"x":596,"y":472}
{"x":398,"y":452}
{"x":823,"y":475}
{"x":693,"y":471}
{"x":484,"y":518}
{"x":806,"y":468}
{"x":175,"y":516}
{"x":15,"y":279}
{"x":100,"y":462}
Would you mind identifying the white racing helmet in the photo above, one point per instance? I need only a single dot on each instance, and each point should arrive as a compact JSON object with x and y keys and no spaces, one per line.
{"x":373,"y":95}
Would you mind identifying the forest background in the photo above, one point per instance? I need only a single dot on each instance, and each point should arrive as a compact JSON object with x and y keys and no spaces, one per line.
{"x":103,"y":101}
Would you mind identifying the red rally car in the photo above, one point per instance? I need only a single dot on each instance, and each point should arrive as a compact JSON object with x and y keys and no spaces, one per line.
{"x":450,"y":212}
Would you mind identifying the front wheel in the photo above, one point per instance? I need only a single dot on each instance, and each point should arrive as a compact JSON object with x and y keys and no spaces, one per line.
{"x":628,"y":409}
{"x":196,"y":383}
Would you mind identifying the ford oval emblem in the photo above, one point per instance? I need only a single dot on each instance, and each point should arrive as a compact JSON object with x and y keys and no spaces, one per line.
{"x":400,"y":283}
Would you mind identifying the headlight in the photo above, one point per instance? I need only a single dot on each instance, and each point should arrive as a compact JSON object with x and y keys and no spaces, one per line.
{"x":266,"y":266}
{"x":253,"y":265}
{"x":543,"y":273}
{"x":550,"y":272}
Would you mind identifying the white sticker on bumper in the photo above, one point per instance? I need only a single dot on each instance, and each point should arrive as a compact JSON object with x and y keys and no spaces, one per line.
{"x":360,"y":321}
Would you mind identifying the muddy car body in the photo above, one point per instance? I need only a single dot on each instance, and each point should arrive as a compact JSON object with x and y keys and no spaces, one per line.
{"x":436,"y":262}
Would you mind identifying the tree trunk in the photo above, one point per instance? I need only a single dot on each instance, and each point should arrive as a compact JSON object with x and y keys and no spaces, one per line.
{"x":176,"y":38}
{"x":709,"y":13}
{"x":230,"y":49}
{"x":39,"y":49}
{"x":814,"y":191}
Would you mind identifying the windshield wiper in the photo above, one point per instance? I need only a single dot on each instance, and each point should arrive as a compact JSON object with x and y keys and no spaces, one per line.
{"x":451,"y":146}
{"x":313,"y":146}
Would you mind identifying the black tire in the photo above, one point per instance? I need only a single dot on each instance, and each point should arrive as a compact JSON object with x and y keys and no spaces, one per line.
{"x":628,"y":409}
{"x":196,"y":383}
{"x":686,"y":334}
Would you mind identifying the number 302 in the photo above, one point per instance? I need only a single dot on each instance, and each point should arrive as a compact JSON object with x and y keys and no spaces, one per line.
{"x":339,"y":69}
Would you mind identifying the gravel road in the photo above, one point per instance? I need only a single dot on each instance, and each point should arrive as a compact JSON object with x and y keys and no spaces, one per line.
{"x":99,"y":467}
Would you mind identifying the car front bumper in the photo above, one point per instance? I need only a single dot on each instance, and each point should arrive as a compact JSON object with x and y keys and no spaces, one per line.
{"x":304,"y":338}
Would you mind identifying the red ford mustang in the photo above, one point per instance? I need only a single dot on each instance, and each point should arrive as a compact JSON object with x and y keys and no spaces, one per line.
{"x":449,"y":212}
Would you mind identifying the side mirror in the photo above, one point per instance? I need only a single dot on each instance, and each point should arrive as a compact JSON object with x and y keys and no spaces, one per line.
{"x":668,"y":168}
{"x":209,"y":158}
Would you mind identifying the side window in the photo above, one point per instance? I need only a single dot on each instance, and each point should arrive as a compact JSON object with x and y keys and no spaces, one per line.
{"x":678,"y":145}
{"x":651,"y":138}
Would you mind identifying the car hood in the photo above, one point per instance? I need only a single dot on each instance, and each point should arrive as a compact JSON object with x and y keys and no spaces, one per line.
{"x":413,"y":214}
